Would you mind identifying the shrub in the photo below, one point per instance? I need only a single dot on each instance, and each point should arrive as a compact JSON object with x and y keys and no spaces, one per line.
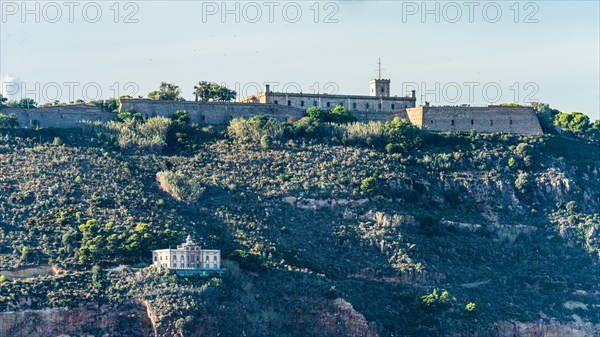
{"x":369,"y":185}
{"x":57,"y":141}
{"x":255,"y":128}
{"x":312,"y":128}
{"x":25,"y":253}
{"x":145,"y":137}
{"x":181,"y":117}
{"x":315,"y":113}
{"x":470,"y":307}
{"x":8,"y":121}
{"x":247,"y":260}
{"x":130,"y":116}
{"x":523,"y":183}
{"x":393,"y":148}
{"x":571,"y":207}
{"x":179,"y":186}
{"x":266,"y":141}
{"x":371,"y":133}
{"x":435,"y":300}
{"x":339,"y":114}
{"x":403,"y":133}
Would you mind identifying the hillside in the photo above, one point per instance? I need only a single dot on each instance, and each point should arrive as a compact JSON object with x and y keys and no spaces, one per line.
{"x":507,"y":223}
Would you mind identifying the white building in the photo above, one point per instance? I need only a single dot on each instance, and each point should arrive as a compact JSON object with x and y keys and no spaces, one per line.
{"x":187,"y":256}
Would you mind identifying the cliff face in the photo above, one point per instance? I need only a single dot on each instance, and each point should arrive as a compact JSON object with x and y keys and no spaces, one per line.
{"x":128,"y":319}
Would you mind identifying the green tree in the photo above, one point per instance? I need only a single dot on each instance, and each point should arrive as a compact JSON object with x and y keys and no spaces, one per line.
{"x":23,"y":103}
{"x":315,"y":113}
{"x":131,"y":117}
{"x":575,"y":122}
{"x":8,"y":121}
{"x":523,"y":182}
{"x":247,"y":260}
{"x":546,"y":116}
{"x":209,"y":91}
{"x":166,"y":92}
{"x":339,"y":114}
{"x":593,"y":133}
{"x":403,"y":133}
{"x":108,"y":105}
{"x":435,"y":300}
{"x":369,"y":185}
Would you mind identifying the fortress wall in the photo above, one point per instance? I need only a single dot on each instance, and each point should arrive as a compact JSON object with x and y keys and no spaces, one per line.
{"x":59,"y":116}
{"x":521,"y":120}
{"x":383,"y":117}
{"x":211,"y":112}
{"x":363,"y":103}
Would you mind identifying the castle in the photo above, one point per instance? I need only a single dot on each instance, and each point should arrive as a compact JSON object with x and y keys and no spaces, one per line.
{"x":187,"y":258}
{"x":379,"y":105}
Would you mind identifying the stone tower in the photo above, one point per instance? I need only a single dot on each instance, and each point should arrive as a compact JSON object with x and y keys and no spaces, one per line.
{"x":379,"y":87}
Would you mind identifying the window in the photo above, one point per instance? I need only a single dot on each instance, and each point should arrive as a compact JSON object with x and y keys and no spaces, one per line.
{"x":472,"y":122}
{"x":207,"y":259}
{"x":511,"y":122}
{"x":367,"y":105}
{"x":432,"y":122}
{"x":202,"y":118}
{"x":382,"y":90}
{"x":215,"y":258}
{"x":393,"y":106}
{"x":314,"y":103}
{"x":174,"y":257}
{"x":174,"y":265}
{"x":289,"y":103}
{"x":379,"y":106}
{"x":453,"y":122}
{"x":276,"y":102}
{"x":341,"y":104}
{"x":328,"y":105}
{"x":301,"y":103}
{"x":353,"y":105}
{"x":491,"y":122}
{"x":155,"y":258}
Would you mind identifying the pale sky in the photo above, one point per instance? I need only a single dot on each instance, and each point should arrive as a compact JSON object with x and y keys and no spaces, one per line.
{"x":551,"y":54}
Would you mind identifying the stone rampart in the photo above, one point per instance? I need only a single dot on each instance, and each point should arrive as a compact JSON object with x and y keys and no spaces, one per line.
{"x":505,"y":119}
{"x":211,"y":112}
{"x":59,"y":116}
